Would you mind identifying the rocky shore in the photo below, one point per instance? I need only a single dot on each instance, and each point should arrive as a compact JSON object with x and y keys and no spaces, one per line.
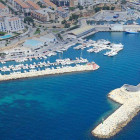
{"x":129,"y":98}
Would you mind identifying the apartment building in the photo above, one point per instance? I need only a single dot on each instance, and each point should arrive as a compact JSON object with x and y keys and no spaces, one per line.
{"x":11,"y":24}
{"x":19,"y":5}
{"x":73,"y":3}
{"x":60,"y":3}
{"x":49,"y":4}
{"x":63,"y":11}
{"x":44,"y":14}
{"x":32,"y":5}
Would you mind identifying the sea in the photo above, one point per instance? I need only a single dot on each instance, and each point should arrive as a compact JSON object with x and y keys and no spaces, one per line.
{"x":70,"y":106}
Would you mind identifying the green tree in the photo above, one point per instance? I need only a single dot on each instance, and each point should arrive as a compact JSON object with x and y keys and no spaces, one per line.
{"x":112,"y":8}
{"x":80,"y":7}
{"x":97,"y":9}
{"x":123,"y":2}
{"x":2,"y":33}
{"x":70,"y":18}
{"x":28,"y":19}
{"x":67,"y":25}
{"x":71,"y":8}
{"x":59,"y":35}
{"x":107,"y":8}
{"x":64,"y":22}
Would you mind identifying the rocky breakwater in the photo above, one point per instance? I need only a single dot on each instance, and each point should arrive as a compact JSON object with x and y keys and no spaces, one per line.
{"x":129,"y":97}
{"x":67,"y":69}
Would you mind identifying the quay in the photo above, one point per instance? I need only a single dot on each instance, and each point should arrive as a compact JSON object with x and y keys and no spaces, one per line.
{"x":128,"y":96}
{"x":48,"y":71}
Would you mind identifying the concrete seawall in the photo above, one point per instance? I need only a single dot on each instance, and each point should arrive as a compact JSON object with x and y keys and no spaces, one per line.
{"x":87,"y":67}
{"x":122,"y":116}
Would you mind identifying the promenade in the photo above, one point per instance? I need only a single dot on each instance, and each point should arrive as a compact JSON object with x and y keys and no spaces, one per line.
{"x":129,"y":97}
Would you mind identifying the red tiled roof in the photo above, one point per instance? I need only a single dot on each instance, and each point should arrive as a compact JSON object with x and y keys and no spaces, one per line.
{"x":22,"y":4}
{"x":2,"y":6}
{"x":33,"y":4}
{"x":61,"y":9}
{"x":48,"y":2}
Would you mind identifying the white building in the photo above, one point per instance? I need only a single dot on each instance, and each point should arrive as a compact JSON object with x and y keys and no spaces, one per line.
{"x":19,"y":5}
{"x":85,"y":2}
{"x":63,"y":11}
{"x":11,"y":24}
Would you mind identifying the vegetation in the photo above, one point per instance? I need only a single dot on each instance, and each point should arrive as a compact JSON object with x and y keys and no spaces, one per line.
{"x":54,"y":26}
{"x":28,"y":20}
{"x":3,"y":2}
{"x":37,"y":31}
{"x":59,"y":35}
{"x":11,"y":9}
{"x":106,"y":8}
{"x":123,"y":2}
{"x":74,"y":27}
{"x":71,"y":8}
{"x":51,"y":21}
{"x":97,"y":9}
{"x":112,"y":8}
{"x":64,"y":22}
{"x":73,"y":17}
{"x":2,"y":33}
{"x":55,"y":31}
{"x":80,"y":7}
{"x":40,"y":4}
{"x":67,"y":25}
{"x":2,"y":54}
{"x":89,"y":22}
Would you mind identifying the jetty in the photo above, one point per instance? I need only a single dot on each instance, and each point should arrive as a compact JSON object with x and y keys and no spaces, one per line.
{"x":50,"y":71}
{"x":129,"y":98}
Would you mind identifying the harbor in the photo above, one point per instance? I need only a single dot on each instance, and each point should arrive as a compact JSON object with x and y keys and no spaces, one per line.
{"x":34,"y":73}
{"x":80,"y":98}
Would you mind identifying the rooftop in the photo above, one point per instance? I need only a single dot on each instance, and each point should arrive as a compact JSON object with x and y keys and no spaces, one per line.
{"x":48,"y":2}
{"x":81,"y":30}
{"x":132,"y":88}
{"x":34,"y":5}
{"x":44,"y":11}
{"x":2,"y":6}
{"x":22,"y":4}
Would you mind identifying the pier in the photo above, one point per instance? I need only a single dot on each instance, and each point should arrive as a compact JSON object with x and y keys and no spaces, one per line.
{"x":128,"y":96}
{"x":48,"y":71}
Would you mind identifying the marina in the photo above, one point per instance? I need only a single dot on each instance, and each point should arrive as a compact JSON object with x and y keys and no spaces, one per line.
{"x":100,"y":45}
{"x":48,"y":71}
{"x":57,"y":96}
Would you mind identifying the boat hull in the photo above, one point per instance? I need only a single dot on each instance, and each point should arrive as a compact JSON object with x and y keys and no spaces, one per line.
{"x":131,"y":32}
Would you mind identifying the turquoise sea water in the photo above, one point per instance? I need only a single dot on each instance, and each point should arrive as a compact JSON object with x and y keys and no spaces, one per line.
{"x":69,"y":106}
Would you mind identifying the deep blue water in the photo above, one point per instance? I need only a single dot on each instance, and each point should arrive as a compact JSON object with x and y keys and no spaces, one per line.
{"x":69,"y":106}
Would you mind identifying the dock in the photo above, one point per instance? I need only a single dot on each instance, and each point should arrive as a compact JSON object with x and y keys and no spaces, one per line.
{"x":67,"y":69}
{"x":128,"y":96}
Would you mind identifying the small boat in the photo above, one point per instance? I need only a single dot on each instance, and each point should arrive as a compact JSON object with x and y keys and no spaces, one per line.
{"x":113,"y":54}
{"x":131,"y":31}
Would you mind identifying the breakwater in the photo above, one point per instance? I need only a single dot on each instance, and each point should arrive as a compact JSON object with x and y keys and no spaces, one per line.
{"x":129,"y":97}
{"x":67,"y":69}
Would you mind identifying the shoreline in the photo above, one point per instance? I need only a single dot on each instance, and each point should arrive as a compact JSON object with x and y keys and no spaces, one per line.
{"x":115,"y":122}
